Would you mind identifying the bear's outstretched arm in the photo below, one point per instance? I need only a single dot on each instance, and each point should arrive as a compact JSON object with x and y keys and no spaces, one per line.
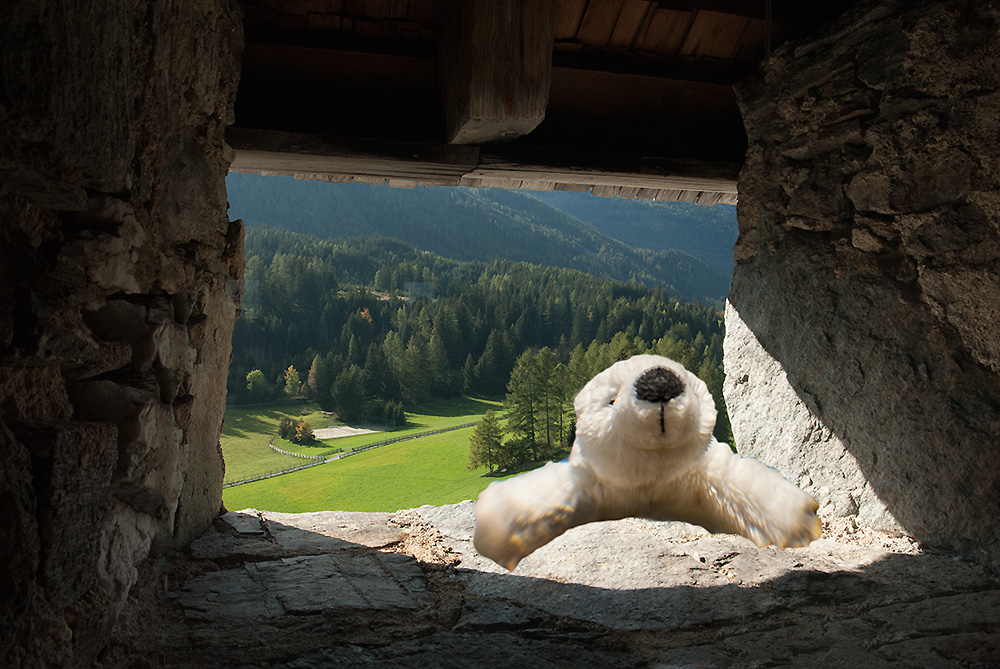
{"x":739,"y":495}
{"x":517,"y":516}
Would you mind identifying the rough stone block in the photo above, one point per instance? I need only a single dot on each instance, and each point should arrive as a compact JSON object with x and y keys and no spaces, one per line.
{"x":866,"y":271}
{"x":74,"y":502}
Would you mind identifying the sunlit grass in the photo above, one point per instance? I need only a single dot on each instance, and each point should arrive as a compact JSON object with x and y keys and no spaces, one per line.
{"x":245,"y":438}
{"x":428,"y":470}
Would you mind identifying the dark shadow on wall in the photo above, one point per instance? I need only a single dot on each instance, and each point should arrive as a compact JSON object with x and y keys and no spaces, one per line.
{"x":295,"y":598}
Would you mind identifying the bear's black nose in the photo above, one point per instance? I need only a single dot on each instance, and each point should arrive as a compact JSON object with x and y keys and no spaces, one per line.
{"x":658,"y":384}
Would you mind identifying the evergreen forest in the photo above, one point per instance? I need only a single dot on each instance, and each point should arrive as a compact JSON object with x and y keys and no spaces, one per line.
{"x":368,"y":325}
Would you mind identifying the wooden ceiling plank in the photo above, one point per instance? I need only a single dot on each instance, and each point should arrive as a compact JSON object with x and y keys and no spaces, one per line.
{"x":422,"y":11}
{"x":287,"y":7}
{"x":310,"y":176}
{"x":569,"y":13}
{"x":573,"y":187}
{"x":667,"y":31}
{"x":750,"y":46}
{"x":669,"y":195}
{"x":369,"y":28}
{"x":257,"y":14}
{"x":398,"y":9}
{"x":596,"y":177}
{"x":402,"y":183}
{"x":631,"y":21}
{"x":317,"y":21}
{"x":316,"y":6}
{"x":429,"y":182}
{"x":374,"y":8}
{"x":606,"y":191}
{"x":369,"y":179}
{"x":729,"y":198}
{"x":598,"y":22}
{"x":709,"y":198}
{"x":801,"y":14}
{"x":506,"y":184}
{"x":289,"y":21}
{"x":713,"y":35}
{"x":538,"y":185}
{"x":257,"y":150}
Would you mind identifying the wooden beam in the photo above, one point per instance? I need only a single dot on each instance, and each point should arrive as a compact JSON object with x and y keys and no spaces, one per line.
{"x":805,"y":14}
{"x":657,"y":173}
{"x":496,"y":68}
{"x":702,"y":70}
{"x":406,"y":164}
{"x":339,"y":157}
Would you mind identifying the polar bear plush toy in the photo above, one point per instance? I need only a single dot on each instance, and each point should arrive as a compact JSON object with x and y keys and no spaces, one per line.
{"x":643,"y":448}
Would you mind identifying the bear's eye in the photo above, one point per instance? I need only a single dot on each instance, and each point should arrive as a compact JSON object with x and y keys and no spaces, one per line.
{"x":611,"y":402}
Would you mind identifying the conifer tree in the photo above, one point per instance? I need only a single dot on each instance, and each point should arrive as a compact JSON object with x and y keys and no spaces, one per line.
{"x":377,"y":376}
{"x":347,"y":393}
{"x":493,"y":367}
{"x":286,"y":427}
{"x":312,"y":378}
{"x":486,"y":443}
{"x":417,"y":376}
{"x":469,"y":375}
{"x":439,"y":367}
{"x":548,"y":408}
{"x":524,"y":404}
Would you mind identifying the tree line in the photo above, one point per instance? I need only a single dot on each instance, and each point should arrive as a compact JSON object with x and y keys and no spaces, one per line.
{"x":366,"y":326}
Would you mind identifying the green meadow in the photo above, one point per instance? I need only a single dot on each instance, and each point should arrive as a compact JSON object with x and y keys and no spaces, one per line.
{"x":425,"y":470}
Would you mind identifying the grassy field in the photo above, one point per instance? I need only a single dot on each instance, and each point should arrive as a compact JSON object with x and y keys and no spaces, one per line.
{"x":245,"y":438}
{"x":428,"y":470}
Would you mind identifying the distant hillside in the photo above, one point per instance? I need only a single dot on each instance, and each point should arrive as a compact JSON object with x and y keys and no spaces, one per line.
{"x":474,"y":224}
{"x":707,"y":233}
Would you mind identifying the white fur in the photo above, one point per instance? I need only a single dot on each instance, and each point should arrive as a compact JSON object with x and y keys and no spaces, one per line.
{"x":624,"y":464}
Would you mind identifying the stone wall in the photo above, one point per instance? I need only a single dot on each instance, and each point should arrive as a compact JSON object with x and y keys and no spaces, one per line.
{"x":863,"y":347}
{"x":119,"y":283}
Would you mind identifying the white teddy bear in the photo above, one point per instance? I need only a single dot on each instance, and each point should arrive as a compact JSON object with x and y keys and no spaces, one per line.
{"x":643,"y":448}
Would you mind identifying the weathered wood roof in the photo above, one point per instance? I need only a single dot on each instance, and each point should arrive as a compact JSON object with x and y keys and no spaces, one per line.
{"x":628,"y":98}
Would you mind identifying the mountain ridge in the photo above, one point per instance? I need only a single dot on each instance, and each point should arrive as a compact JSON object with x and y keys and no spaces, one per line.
{"x":472,"y":224}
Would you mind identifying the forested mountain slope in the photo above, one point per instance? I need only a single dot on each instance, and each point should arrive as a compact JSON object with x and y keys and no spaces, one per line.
{"x":707,"y":233}
{"x":346,"y":311}
{"x":481,"y":224}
